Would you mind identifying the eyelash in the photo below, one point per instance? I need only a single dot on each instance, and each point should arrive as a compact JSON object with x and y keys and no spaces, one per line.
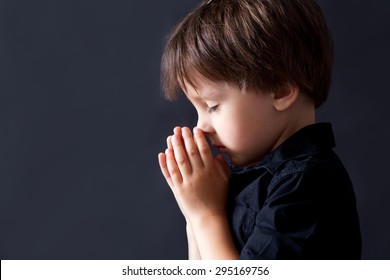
{"x":212,"y":109}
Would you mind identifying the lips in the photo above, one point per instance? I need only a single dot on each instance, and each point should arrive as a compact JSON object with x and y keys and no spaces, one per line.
{"x":221,"y":149}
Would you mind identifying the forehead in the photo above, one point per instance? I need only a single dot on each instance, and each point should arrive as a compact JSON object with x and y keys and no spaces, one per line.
{"x":204,"y":88}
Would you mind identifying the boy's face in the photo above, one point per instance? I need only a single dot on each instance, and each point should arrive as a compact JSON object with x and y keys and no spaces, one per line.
{"x":244,"y":126}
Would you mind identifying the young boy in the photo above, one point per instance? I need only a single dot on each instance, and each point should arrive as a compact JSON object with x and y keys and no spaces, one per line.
{"x":255,"y":70}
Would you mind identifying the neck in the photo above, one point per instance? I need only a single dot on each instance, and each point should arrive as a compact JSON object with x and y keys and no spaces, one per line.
{"x":299,"y":115}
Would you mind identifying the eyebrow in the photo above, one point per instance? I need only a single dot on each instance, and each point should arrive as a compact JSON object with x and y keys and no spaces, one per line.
{"x":208,"y":92}
{"x":207,"y":95}
{"x":201,"y":95}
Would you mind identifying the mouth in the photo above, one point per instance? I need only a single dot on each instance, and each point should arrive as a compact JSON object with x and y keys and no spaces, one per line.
{"x":221,"y":149}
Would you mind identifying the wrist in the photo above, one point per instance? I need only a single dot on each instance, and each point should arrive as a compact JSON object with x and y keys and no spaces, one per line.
{"x":214,"y":237}
{"x":206,"y":221}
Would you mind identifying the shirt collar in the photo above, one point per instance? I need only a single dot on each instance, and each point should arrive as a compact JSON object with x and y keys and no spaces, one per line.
{"x":306,"y":141}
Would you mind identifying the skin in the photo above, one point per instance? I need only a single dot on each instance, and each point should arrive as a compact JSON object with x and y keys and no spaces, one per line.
{"x":244,"y":126}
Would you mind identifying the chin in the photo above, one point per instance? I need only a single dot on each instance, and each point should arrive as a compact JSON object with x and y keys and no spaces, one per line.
{"x":238,"y":163}
{"x":242,"y":163}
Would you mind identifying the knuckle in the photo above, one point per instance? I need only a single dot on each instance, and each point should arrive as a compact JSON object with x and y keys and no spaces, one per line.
{"x":204,"y":149}
{"x":174,"y":172}
{"x":192,"y":152}
{"x":181,"y":161}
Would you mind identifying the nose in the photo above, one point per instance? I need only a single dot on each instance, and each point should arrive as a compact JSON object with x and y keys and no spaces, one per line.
{"x":204,"y":125}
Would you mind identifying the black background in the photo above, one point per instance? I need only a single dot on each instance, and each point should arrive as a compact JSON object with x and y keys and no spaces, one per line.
{"x":82,"y":120}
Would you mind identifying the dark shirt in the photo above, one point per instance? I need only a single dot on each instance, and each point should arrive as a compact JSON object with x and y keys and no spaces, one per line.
{"x":297,"y":203}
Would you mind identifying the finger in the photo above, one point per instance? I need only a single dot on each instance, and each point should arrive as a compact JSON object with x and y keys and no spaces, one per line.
{"x":224,"y":167}
{"x":169,"y":142}
{"x":173,"y":169}
{"x":162,"y":160}
{"x":203,"y":146}
{"x":191,"y":148}
{"x":181,"y":155}
{"x":177,"y":130}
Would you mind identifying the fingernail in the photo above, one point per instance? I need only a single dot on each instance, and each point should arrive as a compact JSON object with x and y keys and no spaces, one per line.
{"x":196,"y":130}
{"x":186,"y":131}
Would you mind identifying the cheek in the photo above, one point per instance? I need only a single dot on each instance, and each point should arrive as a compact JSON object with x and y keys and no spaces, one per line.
{"x":235,"y":134}
{"x":249,"y":140}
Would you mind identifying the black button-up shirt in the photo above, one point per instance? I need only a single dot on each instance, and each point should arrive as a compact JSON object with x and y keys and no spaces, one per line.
{"x":297,"y":203}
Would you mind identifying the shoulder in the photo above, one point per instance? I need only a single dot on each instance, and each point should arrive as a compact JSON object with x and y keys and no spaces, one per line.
{"x":317,"y":176}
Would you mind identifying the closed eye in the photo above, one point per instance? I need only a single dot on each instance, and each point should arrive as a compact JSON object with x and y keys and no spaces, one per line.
{"x":212,"y":109}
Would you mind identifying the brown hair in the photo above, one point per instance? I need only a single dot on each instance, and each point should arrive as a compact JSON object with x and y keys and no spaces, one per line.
{"x":258,"y":44}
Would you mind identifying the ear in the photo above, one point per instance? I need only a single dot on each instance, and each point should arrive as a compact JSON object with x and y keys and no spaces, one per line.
{"x":285,"y":97}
